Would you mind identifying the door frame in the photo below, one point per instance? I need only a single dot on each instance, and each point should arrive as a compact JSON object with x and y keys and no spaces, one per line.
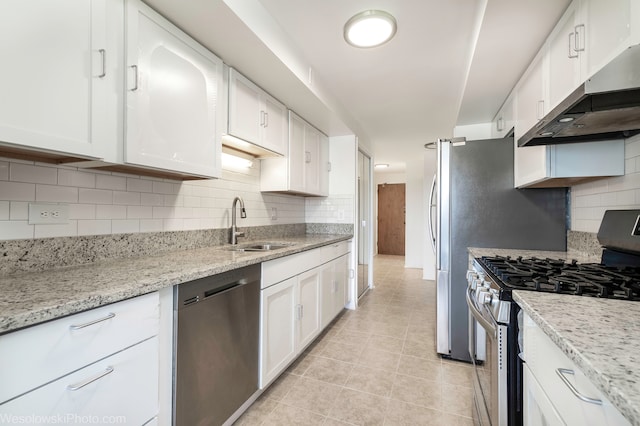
{"x":369,"y":219}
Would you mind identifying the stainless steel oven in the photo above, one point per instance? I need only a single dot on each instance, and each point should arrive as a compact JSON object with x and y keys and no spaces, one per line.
{"x":489,"y":321}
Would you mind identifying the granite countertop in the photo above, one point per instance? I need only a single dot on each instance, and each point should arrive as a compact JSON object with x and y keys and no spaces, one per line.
{"x":600,"y":336}
{"x":540,"y":254}
{"x":33,"y":297}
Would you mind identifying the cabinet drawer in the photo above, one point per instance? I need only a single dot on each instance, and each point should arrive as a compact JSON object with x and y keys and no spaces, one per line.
{"x":125,"y":391}
{"x":277,"y":270}
{"x":335,"y":250}
{"x":545,"y":360}
{"x":45,"y":352}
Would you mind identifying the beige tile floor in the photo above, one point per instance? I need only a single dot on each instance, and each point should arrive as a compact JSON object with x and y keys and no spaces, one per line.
{"x":373,"y":366}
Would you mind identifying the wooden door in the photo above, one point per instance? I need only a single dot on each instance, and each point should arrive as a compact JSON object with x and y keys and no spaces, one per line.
{"x":391,"y":218}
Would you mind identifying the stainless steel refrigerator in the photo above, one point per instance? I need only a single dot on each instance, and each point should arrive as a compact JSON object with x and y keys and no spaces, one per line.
{"x":477,"y":206}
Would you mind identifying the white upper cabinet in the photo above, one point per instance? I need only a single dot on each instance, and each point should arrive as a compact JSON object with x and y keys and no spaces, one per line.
{"x":564,"y":165}
{"x":504,"y":120}
{"x":305,"y":170}
{"x":609,"y":27}
{"x":58,"y":79}
{"x":531,"y":99}
{"x":173,"y":87}
{"x":255,"y":116}
{"x":589,"y":35}
{"x":565,"y":54}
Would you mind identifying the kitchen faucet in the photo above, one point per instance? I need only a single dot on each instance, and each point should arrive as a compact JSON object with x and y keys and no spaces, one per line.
{"x":243,"y":214}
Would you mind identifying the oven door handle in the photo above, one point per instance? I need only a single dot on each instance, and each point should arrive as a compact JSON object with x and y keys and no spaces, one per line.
{"x":488,"y":326}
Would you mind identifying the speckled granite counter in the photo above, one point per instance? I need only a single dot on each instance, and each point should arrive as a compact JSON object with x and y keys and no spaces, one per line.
{"x":33,"y":297}
{"x":564,"y":255}
{"x":600,"y":336}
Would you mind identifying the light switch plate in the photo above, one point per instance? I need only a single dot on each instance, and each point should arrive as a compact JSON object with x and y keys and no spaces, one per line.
{"x":49,"y":214}
{"x":274,"y":213}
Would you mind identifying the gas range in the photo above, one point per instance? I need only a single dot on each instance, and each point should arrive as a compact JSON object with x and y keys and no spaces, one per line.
{"x":494,"y":329}
{"x":559,"y":276}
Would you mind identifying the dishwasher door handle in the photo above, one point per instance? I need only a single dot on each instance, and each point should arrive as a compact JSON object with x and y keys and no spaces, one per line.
{"x":223,"y":288}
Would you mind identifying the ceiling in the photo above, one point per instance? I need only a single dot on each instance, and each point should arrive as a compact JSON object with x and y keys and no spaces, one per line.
{"x":451,"y":62}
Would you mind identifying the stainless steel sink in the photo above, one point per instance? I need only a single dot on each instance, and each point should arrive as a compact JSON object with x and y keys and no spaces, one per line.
{"x":260,"y":247}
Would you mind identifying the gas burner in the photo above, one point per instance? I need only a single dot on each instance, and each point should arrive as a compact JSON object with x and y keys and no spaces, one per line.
{"x":559,"y":276}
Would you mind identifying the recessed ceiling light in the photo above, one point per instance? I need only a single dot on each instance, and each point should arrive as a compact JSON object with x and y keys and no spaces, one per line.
{"x":370,"y":28}
{"x":381,"y":166}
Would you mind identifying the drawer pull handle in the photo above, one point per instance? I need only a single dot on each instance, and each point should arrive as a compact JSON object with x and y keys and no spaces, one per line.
{"x":104,"y":63}
{"x":87,"y":324}
{"x":85,"y":382}
{"x":561,"y":372}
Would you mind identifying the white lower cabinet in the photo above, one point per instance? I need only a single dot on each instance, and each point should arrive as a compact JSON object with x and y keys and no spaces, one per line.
{"x":555,"y":391}
{"x":91,"y":365}
{"x":278,"y":328}
{"x":333,"y":294}
{"x":290,"y":321}
{"x":120,"y":389}
{"x":300,"y":295}
{"x":308,"y":308}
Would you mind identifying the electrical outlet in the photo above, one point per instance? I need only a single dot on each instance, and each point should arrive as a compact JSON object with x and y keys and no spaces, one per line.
{"x":274,"y":213}
{"x":48,"y":214}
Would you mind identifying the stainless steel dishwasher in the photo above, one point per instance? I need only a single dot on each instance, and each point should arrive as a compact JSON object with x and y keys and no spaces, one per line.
{"x":216,"y":337}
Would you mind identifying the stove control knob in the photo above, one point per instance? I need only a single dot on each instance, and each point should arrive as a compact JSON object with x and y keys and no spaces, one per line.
{"x":486,"y":298}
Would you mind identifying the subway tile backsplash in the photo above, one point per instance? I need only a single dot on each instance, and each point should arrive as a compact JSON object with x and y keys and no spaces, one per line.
{"x":102,"y":203}
{"x":590,"y":200}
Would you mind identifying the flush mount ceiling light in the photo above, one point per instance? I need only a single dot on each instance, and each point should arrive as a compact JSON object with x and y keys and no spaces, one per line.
{"x":370,"y":28}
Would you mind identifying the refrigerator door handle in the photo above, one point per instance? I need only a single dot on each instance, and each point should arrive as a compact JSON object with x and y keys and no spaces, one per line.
{"x":432,"y":205}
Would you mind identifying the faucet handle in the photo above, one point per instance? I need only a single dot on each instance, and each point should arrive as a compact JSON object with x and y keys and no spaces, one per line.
{"x":239,"y":234}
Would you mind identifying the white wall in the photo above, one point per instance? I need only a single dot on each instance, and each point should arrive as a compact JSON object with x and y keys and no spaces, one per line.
{"x":473,"y":131}
{"x":112,"y":203}
{"x":413,"y":178}
{"x":415,"y":223}
{"x":590,"y":200}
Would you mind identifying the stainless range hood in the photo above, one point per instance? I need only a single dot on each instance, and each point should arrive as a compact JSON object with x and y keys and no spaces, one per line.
{"x":606,"y":106}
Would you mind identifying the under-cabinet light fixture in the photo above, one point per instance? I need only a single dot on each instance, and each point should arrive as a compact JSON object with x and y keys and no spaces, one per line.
{"x":381,"y":166}
{"x":233,"y":159}
{"x":370,"y":28}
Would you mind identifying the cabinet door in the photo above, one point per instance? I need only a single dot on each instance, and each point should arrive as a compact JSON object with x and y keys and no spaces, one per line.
{"x":504,"y":119}
{"x":530,"y":101}
{"x":308,"y":307}
{"x":296,"y":153}
{"x":529,"y":162}
{"x":124,"y":386}
{"x":327,"y":293}
{"x":564,"y":58}
{"x":245,"y":115}
{"x":609,"y":27}
{"x":278,"y":329}
{"x":57,"y":79}
{"x":173,"y":88}
{"x":311,"y":160}
{"x":274,"y":125}
{"x":341,"y":280}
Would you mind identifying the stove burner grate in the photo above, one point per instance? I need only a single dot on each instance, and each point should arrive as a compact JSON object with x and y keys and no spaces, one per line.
{"x":558,"y":276}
